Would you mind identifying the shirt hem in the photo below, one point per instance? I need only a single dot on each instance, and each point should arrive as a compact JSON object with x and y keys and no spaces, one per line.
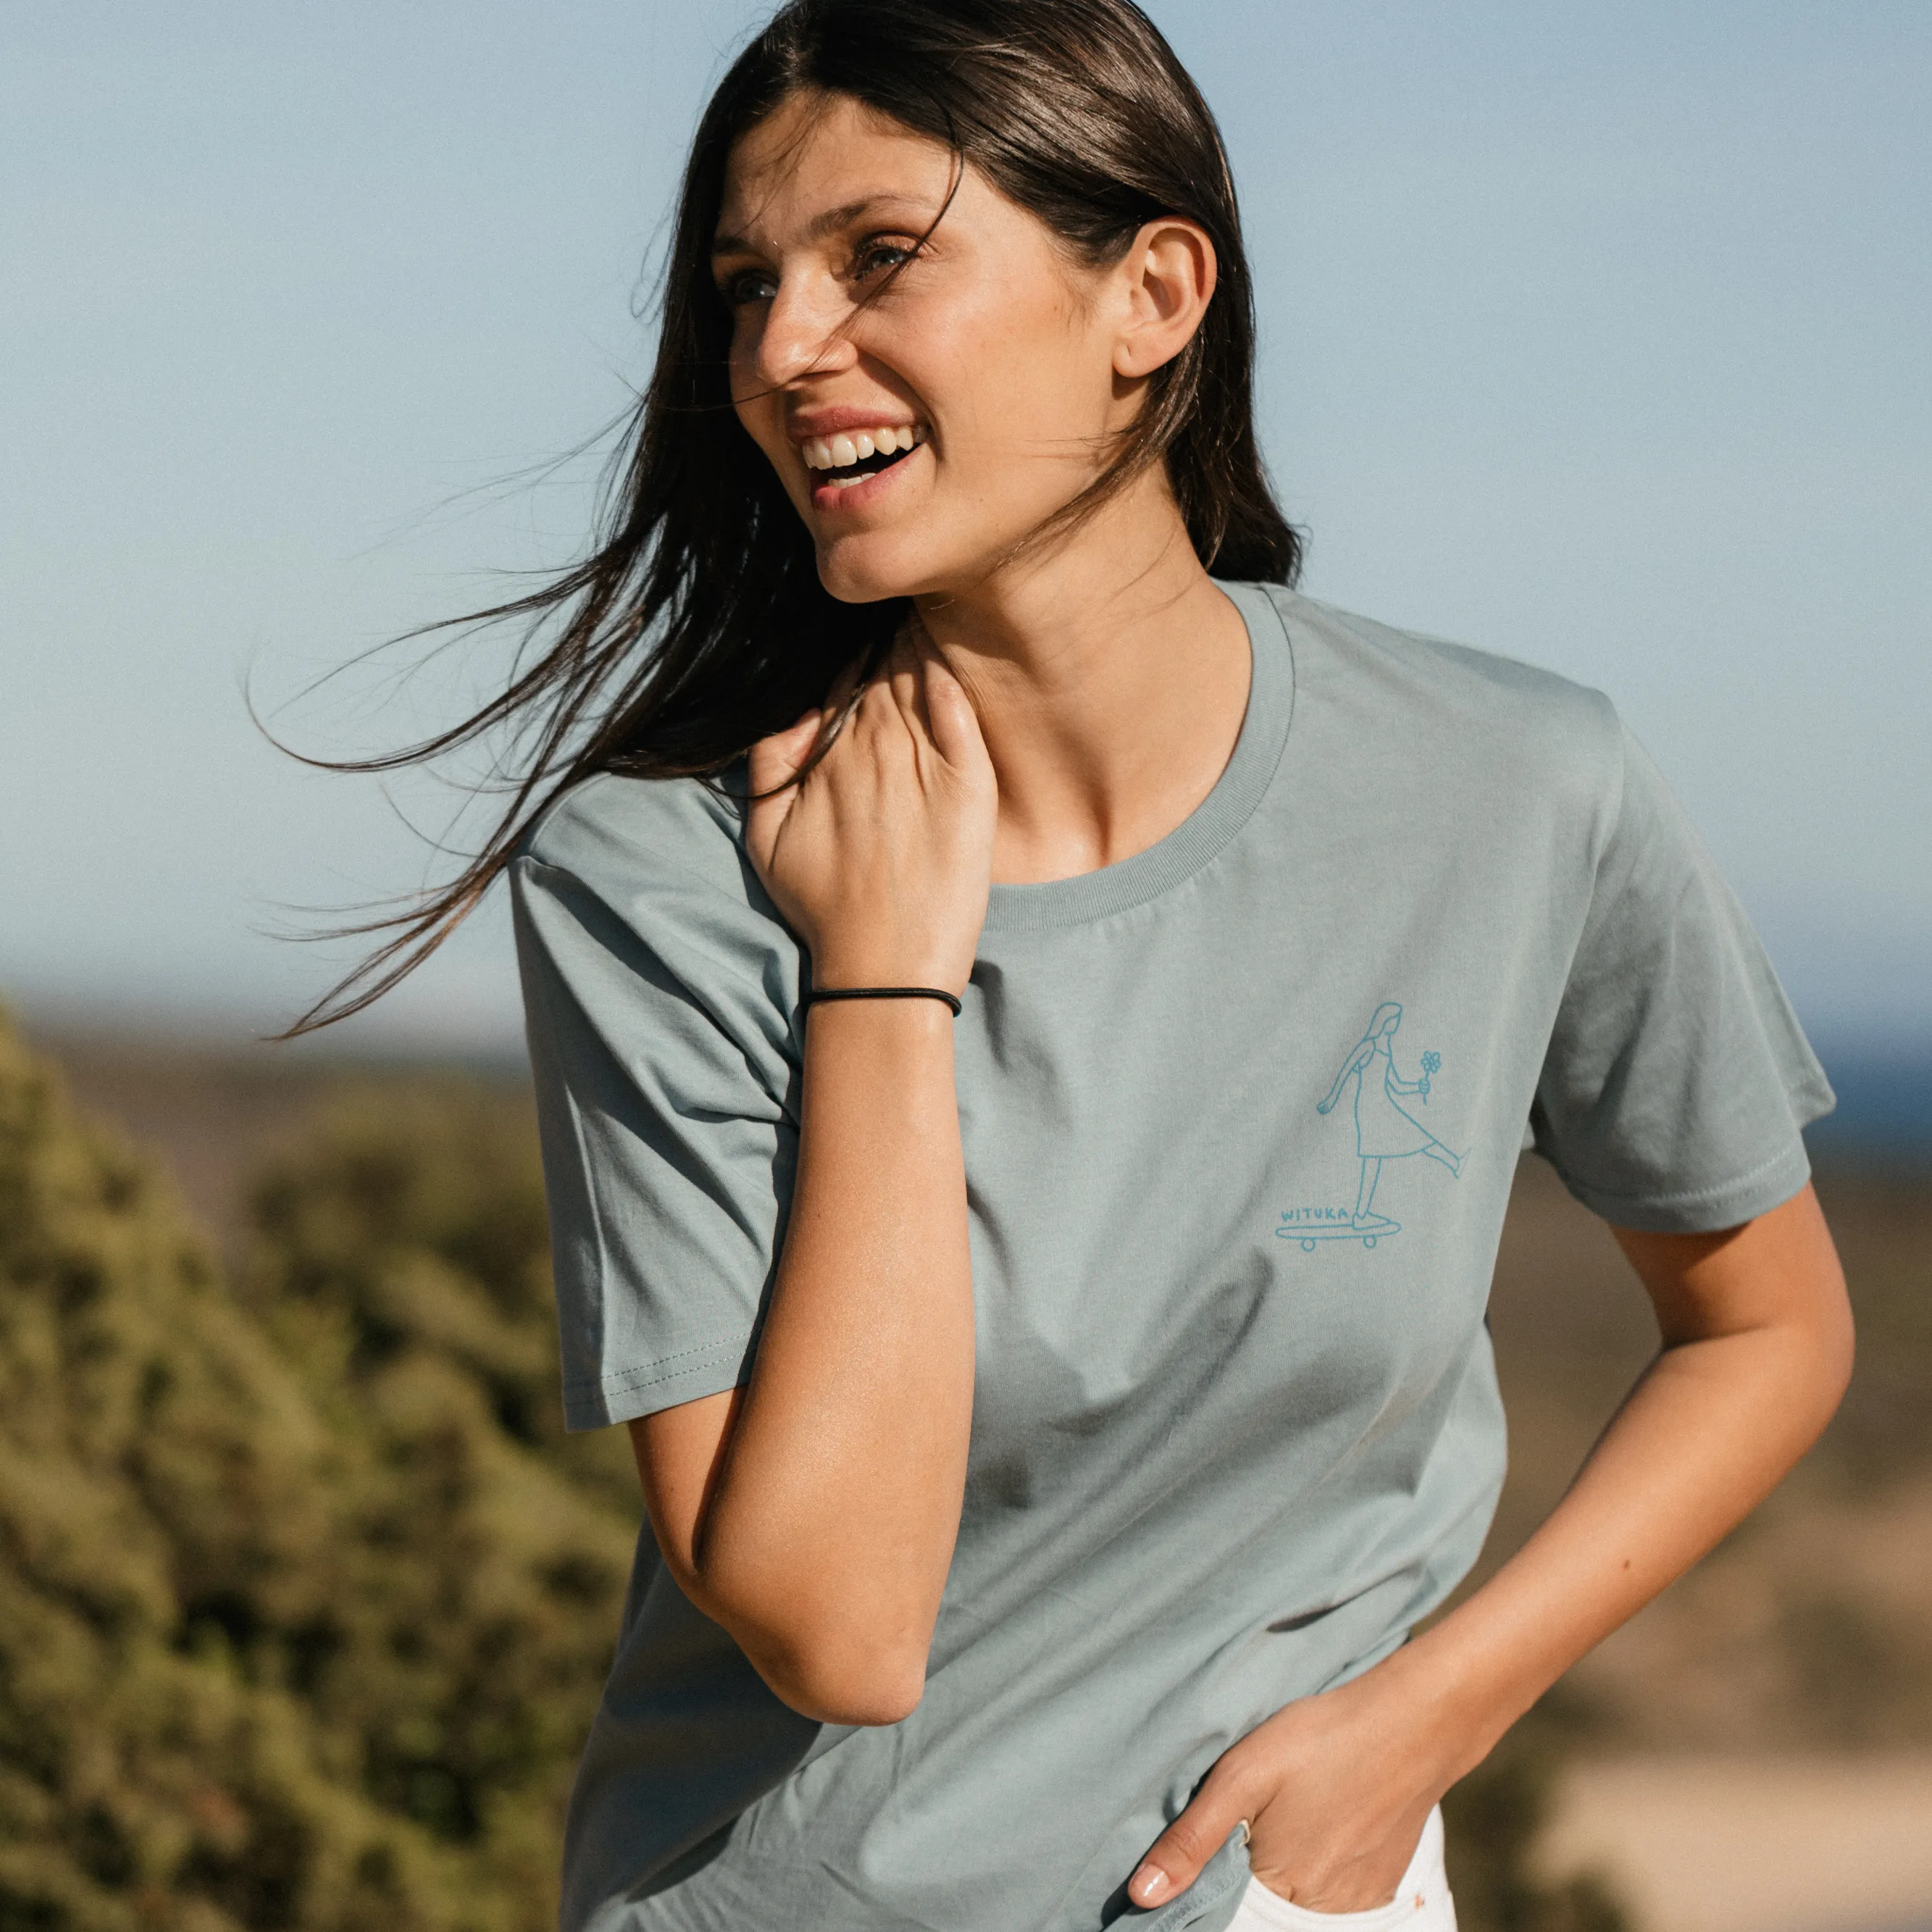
{"x":663,"y":1383}
{"x":1702,"y":1211}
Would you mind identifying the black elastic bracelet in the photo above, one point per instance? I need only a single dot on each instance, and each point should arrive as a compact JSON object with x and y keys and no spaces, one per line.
{"x":818,"y":993}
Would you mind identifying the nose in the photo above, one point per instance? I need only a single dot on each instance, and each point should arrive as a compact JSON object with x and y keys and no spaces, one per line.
{"x":800,"y":334}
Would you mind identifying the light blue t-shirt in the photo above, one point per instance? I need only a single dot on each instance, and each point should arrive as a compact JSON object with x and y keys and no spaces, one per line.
{"x":1239,"y":1117}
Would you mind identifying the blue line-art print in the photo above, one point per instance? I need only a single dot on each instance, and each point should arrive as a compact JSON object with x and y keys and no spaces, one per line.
{"x":1385,"y":1130}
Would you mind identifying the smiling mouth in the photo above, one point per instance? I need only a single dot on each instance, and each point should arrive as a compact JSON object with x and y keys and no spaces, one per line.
{"x":843,"y":460}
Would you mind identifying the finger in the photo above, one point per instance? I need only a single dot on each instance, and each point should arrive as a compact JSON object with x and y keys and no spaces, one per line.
{"x":776,"y":760}
{"x":875,"y":696}
{"x":950,"y":717}
{"x":902,"y":673}
{"x":1187,"y":1845}
{"x":775,"y":763}
{"x":841,"y":701}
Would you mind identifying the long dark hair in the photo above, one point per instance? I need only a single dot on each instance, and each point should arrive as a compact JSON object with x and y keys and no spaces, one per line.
{"x":697,"y":623}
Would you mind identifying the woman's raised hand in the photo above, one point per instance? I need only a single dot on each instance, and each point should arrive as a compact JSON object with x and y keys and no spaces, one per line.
{"x":812,"y":1514}
{"x":880,"y":857}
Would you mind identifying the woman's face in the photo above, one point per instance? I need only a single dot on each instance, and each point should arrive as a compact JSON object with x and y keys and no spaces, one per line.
{"x":923,"y":432}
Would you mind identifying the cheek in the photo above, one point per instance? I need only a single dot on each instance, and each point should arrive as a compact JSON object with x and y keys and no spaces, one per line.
{"x":1032,"y":378}
{"x":741,"y":374}
{"x":760,"y":410}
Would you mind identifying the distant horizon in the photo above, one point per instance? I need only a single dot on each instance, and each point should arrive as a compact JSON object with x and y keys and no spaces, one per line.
{"x":1884,"y":1088}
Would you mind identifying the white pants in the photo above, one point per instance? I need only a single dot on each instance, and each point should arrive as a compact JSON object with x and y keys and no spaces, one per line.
{"x":1421,"y":1904}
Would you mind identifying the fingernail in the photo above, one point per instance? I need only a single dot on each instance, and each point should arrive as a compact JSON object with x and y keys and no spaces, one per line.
{"x":1148,"y":1886}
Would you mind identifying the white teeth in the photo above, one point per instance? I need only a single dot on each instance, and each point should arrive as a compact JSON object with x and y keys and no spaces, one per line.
{"x":837,"y":452}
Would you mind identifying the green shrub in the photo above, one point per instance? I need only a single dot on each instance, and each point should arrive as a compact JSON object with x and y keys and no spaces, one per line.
{"x":303,"y":1602}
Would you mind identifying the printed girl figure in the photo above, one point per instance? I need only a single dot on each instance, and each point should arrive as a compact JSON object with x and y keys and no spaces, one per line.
{"x":1385,"y":1128}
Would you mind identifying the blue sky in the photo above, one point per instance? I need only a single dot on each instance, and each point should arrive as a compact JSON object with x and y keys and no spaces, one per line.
{"x":1593,"y":335}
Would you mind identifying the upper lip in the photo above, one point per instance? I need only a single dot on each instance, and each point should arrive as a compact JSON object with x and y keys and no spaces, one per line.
{"x":835,"y":420}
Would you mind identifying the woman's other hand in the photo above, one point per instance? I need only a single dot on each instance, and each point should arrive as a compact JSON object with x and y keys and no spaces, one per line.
{"x":880,"y":857}
{"x":1335,"y":1790}
{"x":1756,"y":1336}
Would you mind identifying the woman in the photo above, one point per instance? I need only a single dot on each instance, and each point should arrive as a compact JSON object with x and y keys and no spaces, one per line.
{"x":1034,"y":1540}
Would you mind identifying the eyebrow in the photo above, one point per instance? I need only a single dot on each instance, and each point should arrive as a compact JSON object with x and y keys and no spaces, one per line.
{"x":820,"y":226}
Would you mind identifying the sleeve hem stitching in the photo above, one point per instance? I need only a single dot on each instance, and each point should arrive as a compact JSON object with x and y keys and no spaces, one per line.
{"x":1794,"y":1149}
{"x":661,"y":1370}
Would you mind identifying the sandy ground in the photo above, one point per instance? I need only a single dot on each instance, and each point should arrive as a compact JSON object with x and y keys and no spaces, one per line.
{"x":1756,"y":1844}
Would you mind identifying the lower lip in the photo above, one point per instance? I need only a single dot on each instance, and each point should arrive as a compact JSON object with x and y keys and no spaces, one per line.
{"x":828,"y":496}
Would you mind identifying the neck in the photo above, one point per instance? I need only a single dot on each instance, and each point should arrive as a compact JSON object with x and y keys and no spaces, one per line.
{"x":1110,"y":676}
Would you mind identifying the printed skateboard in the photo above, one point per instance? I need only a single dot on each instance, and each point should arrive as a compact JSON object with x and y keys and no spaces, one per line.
{"x":1308,"y":1234}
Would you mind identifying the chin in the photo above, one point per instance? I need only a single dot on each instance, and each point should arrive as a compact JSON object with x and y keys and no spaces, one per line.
{"x":870,"y":567}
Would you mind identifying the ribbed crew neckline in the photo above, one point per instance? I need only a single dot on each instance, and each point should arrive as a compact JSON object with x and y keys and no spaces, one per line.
{"x":1243,"y":782}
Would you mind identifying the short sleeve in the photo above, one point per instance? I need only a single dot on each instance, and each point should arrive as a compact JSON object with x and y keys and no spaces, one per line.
{"x":1677,"y":1081}
{"x":664,"y":1087}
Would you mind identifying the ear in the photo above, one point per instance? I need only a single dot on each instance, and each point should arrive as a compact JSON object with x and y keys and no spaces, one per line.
{"x":1167,"y":277}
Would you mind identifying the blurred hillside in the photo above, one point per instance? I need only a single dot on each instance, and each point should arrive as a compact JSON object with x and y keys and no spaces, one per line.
{"x":304,"y":1624}
{"x":305,"y":1598}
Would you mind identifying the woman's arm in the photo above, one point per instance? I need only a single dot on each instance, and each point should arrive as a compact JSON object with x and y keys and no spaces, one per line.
{"x":812,"y":1513}
{"x":1348,"y":1066}
{"x":1757,"y":1349}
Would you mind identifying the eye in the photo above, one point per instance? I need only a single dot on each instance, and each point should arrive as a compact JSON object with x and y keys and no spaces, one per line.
{"x":876,"y":256}
{"x":748,"y":285}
